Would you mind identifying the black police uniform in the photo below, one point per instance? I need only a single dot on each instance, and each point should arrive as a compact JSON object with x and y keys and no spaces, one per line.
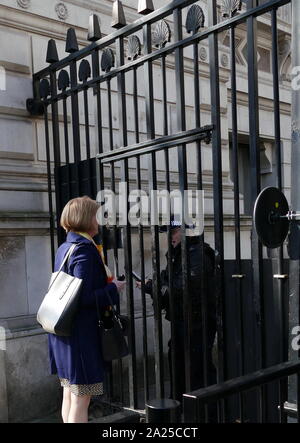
{"x":194,"y":282}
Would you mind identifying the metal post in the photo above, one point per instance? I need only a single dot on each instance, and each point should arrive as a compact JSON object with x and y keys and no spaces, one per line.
{"x":126,"y":230}
{"x":256,"y":248}
{"x":217,"y":187}
{"x":152,"y":180}
{"x":294,"y":240}
{"x":183,"y":184}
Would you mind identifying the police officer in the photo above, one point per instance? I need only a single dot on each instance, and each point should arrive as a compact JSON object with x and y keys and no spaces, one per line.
{"x":194,"y":287}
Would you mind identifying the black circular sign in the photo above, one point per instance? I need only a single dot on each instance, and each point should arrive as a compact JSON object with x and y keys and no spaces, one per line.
{"x":269,"y":206}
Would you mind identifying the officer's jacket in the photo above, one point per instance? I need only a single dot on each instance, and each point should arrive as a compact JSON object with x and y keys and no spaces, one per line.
{"x":194,"y":282}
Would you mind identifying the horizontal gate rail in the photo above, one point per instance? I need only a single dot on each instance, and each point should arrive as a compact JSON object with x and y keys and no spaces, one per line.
{"x":158,"y":144}
{"x":194,"y":401}
{"x":136,"y":26}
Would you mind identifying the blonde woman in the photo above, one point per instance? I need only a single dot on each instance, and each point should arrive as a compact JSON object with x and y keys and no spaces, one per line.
{"x":77,"y":359}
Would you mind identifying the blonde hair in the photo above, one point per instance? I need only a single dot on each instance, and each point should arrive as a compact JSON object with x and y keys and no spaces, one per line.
{"x":78,"y":213}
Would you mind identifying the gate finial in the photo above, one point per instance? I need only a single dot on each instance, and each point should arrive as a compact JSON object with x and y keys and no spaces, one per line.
{"x":52,"y":55}
{"x":145,"y":6}
{"x":71,"y":43}
{"x":118,"y":16}
{"x":94,"y":32}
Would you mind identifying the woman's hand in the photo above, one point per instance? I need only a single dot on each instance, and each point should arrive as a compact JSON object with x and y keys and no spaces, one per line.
{"x":119,"y":284}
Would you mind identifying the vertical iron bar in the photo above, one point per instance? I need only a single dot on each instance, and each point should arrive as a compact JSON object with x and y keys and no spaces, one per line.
{"x":182,"y":171}
{"x":75,"y":112}
{"x":56,"y":151}
{"x":203,"y":292}
{"x":238,"y":282}
{"x":66,"y":134}
{"x":223,"y":415}
{"x":219,"y":411}
{"x":241,"y":406}
{"x":49,"y":180}
{"x":112,"y":168}
{"x":256,"y":247}
{"x":98,"y":112}
{"x":100,"y":173}
{"x":277,"y":256}
{"x":282,"y":399}
{"x":87,"y":123}
{"x":141,"y":241}
{"x":164,"y":93}
{"x":126,"y":228}
{"x":110,"y":120}
{"x":197,"y":113}
{"x":97,"y":93}
{"x":66,"y":137}
{"x":263,"y":404}
{"x":149,"y":101}
{"x":143,"y":293}
{"x":87,"y":141}
{"x":115,"y":229}
{"x":277,"y":261}
{"x":75,"y":126}
{"x":217,"y":188}
{"x":275,"y":69}
{"x":174,"y":370}
{"x":136,"y":106}
{"x":36,"y":92}
{"x":191,"y":407}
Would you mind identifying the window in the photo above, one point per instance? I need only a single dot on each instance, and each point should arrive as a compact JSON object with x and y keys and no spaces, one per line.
{"x":267,"y":166}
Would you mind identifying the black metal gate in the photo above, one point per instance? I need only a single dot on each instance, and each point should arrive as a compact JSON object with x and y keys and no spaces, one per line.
{"x":149,"y":73}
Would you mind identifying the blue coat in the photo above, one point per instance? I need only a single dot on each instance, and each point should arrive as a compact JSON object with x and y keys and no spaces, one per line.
{"x":78,"y":358}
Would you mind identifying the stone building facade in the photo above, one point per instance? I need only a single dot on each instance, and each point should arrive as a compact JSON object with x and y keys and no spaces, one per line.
{"x":26,"y":389}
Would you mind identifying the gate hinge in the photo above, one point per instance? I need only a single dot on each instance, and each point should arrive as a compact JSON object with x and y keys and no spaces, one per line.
{"x":34,"y":106}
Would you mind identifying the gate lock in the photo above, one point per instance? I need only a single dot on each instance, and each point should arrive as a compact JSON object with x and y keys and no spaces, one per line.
{"x":272,"y":217}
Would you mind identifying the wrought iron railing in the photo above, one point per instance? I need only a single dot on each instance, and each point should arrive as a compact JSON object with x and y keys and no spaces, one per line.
{"x":196,"y":403}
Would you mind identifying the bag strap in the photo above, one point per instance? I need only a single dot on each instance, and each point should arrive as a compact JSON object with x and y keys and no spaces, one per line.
{"x":67,"y":256}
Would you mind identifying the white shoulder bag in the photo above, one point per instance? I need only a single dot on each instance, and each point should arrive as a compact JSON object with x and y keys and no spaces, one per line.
{"x":57,"y":311}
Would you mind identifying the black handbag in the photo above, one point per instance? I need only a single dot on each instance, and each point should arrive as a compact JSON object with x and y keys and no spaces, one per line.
{"x":113,"y":342}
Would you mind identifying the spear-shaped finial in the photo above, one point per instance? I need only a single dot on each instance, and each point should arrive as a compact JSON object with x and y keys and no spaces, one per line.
{"x":145,"y":7}
{"x":94,"y":32}
{"x":118,"y":16}
{"x":52,"y":55}
{"x":71,"y":43}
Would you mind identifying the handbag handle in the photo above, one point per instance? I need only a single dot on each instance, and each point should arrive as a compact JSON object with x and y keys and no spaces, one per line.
{"x":66,"y":258}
